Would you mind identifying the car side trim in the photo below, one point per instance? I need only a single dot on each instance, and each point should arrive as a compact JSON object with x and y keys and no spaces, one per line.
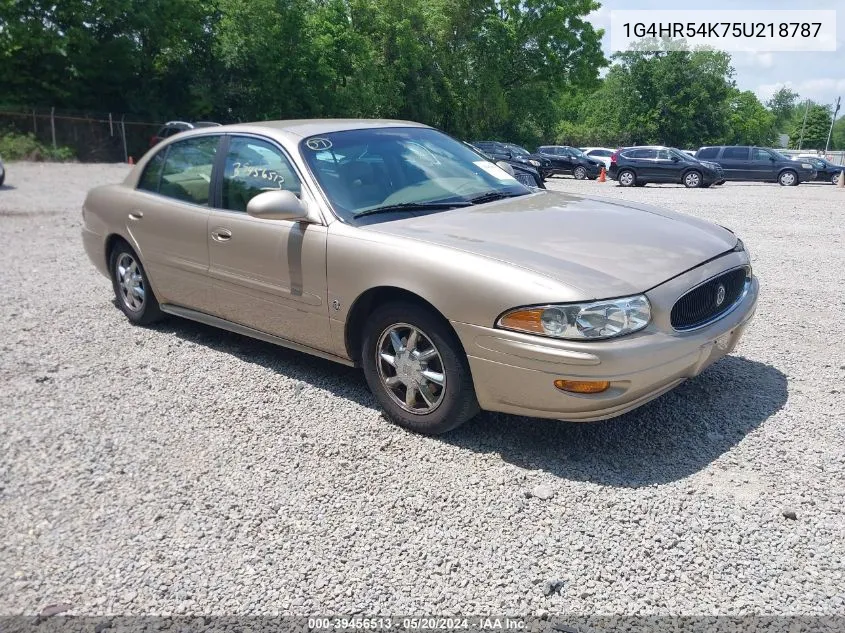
{"x":207,"y":319}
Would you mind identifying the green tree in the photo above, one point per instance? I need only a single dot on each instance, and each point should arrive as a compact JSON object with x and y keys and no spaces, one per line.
{"x":678,"y":98}
{"x":783,"y":105}
{"x":749,"y":123}
{"x":837,"y":140}
{"x":814,"y":131}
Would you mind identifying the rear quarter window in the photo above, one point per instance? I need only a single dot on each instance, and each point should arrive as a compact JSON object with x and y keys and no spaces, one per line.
{"x":151,"y":177}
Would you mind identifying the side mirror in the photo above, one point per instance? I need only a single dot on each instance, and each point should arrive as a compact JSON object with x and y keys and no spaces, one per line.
{"x":278,"y":204}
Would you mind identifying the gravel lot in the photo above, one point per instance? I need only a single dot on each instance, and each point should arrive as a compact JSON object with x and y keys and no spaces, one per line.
{"x":181,"y":469}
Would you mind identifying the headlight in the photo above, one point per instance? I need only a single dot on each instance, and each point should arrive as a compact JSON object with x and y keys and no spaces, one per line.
{"x":536,"y":163}
{"x":806,"y":165}
{"x":581,"y":321}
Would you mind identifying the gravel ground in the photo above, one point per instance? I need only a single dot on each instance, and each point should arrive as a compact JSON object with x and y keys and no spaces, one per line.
{"x":180,"y":469}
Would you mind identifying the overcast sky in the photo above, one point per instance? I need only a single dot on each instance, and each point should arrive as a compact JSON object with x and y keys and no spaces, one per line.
{"x":819,"y":76}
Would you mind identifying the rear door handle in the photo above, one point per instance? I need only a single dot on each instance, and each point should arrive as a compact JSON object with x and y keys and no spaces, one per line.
{"x":136,"y":215}
{"x":221,"y":235}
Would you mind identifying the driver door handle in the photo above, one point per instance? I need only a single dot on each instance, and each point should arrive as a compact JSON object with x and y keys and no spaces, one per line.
{"x":221,"y":235}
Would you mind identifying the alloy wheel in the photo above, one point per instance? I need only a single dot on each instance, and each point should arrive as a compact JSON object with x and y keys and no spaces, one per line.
{"x":130,"y":282}
{"x":626,"y":178}
{"x":580,"y":173}
{"x":692,"y":179}
{"x":410,"y":368}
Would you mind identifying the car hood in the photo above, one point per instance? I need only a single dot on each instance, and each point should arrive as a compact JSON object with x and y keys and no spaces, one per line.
{"x":604,"y":248}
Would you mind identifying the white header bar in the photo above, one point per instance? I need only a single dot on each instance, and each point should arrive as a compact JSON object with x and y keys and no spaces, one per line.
{"x":732,"y":31}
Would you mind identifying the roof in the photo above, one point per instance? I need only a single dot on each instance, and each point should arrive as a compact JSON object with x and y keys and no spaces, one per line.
{"x":310,"y":127}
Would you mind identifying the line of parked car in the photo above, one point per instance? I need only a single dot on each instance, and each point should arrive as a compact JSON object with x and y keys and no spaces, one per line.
{"x":640,"y":165}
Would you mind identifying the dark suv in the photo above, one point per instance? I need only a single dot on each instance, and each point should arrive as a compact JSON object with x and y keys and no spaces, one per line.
{"x":743,"y":162}
{"x":511,"y":153}
{"x":571,"y":160}
{"x":638,"y":166}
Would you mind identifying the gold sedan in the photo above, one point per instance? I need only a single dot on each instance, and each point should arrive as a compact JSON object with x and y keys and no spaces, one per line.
{"x":392,"y":246}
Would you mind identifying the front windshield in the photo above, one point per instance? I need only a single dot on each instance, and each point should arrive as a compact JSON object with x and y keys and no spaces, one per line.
{"x":363,"y":170}
{"x":519,"y":151}
{"x":577,"y":152}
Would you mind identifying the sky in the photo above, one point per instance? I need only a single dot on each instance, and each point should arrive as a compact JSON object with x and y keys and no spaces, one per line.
{"x":814,"y":75}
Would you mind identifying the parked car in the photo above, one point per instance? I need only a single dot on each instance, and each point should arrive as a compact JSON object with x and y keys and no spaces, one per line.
{"x":514,"y":154}
{"x":748,"y":163}
{"x":525,"y":174}
{"x":174,"y":127}
{"x":2,"y":172}
{"x":638,"y":166}
{"x":571,"y":160}
{"x":391,"y":246}
{"x":599,"y":153}
{"x":825,"y":170}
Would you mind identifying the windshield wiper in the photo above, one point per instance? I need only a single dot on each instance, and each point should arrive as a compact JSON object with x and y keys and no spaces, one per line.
{"x":492,"y":196}
{"x":413,"y":206}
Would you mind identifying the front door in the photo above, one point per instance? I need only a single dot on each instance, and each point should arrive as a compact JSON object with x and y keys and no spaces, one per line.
{"x":269,"y":275}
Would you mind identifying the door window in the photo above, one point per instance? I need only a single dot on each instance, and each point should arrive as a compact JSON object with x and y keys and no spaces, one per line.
{"x":663,"y":154}
{"x":642,"y":153}
{"x":735,"y":153}
{"x":708,"y":152}
{"x":186,"y":175}
{"x":252,"y":167}
{"x":760,"y":154}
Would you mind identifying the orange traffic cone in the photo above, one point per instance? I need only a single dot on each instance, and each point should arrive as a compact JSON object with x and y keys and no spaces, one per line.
{"x":841,"y":183}
{"x":131,"y":161}
{"x":603,"y":175}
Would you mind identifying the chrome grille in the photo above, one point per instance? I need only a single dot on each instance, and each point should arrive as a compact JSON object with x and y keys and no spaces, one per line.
{"x":702,"y":304}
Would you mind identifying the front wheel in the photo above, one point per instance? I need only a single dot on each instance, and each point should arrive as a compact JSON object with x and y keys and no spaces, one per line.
{"x":834,"y":179}
{"x":627,"y":178}
{"x":131,"y":288}
{"x":692,"y":180}
{"x":416,"y":369}
{"x":788,"y":178}
{"x":580,"y":173}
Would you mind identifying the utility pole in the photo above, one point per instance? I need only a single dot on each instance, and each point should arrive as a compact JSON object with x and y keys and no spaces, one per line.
{"x":804,"y":124}
{"x":835,"y":112}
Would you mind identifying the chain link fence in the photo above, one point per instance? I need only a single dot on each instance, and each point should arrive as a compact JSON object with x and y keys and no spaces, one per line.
{"x":92,"y":136}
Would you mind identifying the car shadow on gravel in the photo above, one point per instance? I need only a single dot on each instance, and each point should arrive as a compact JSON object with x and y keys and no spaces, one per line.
{"x":666,"y":440}
{"x":663,"y":441}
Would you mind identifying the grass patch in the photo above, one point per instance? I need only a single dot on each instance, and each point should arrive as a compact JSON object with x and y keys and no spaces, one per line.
{"x":15,"y":146}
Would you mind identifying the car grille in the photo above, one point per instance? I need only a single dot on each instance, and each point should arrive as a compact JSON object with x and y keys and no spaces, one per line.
{"x":700,"y":305}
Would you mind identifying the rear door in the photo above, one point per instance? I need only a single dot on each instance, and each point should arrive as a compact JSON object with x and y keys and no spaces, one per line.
{"x":643,"y":162}
{"x":168,"y":221}
{"x":269,"y":275}
{"x":664,"y":168}
{"x":735,"y":161}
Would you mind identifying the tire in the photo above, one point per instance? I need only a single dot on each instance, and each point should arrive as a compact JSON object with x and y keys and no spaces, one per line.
{"x":833,"y":179}
{"x":788,"y":178}
{"x":580,"y":173}
{"x":128,"y":278}
{"x":692,"y":179}
{"x":448,"y":404}
{"x":626,"y":178}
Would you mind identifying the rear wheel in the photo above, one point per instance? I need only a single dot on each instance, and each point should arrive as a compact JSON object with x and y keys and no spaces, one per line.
{"x":627,"y":178}
{"x":131,"y":288}
{"x":416,"y":369}
{"x":692,"y":179}
{"x":788,"y":178}
{"x":580,"y":173}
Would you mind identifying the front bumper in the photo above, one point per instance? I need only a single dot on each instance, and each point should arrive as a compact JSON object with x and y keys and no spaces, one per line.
{"x":514,"y":373}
